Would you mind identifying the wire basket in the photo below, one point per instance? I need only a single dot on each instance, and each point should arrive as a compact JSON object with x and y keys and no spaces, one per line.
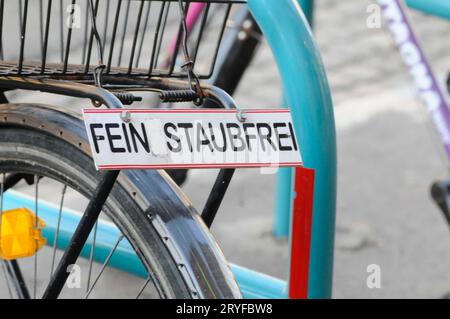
{"x":132,"y":38}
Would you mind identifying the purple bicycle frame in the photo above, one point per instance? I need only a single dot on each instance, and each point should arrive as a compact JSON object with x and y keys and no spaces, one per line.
{"x":414,"y":58}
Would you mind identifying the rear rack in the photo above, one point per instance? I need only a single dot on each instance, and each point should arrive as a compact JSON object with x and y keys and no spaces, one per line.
{"x":139,"y":38}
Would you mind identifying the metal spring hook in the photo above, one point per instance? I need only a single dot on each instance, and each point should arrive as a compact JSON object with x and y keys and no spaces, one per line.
{"x":98,"y":72}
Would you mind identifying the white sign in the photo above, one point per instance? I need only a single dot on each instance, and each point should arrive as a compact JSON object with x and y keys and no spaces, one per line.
{"x":191,"y":138}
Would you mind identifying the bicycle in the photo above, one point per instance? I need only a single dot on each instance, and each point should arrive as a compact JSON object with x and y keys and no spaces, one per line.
{"x":425,"y":80}
{"x":153,"y":231}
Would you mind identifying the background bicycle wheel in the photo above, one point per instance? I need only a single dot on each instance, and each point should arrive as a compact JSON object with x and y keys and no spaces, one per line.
{"x":387,"y":161}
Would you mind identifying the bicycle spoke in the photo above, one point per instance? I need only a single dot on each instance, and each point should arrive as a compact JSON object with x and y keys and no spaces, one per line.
{"x":91,"y":257}
{"x":81,"y":234}
{"x":58,"y":225}
{"x":11,"y":268}
{"x":143,"y":288}
{"x":7,"y":279}
{"x":36,"y":193}
{"x":104,"y":265}
{"x":2,"y":182}
{"x":18,"y":282}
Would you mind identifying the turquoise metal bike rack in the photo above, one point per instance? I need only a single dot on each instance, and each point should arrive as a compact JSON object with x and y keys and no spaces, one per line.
{"x":252,"y":284}
{"x":107,"y":233}
{"x":319,"y":285}
{"x":284,"y":195}
{"x":439,"y":8}
{"x":308,"y":10}
{"x":284,"y":190}
{"x":283,"y":202}
{"x":307,"y":92}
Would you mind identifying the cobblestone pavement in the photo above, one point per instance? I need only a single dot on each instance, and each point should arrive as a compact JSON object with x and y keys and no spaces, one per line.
{"x":387,"y":160}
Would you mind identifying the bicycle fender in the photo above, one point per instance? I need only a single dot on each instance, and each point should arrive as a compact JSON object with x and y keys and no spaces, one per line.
{"x":205,"y":269}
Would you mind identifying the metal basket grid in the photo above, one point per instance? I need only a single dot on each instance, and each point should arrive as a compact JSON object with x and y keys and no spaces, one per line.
{"x":137,"y":38}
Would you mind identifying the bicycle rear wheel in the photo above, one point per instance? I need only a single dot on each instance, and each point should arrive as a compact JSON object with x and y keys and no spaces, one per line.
{"x":58,"y":165}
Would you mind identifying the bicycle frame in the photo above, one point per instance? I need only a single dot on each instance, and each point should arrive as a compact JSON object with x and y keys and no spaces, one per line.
{"x":414,"y":58}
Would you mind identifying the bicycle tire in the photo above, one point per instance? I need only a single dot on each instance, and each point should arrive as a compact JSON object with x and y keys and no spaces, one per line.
{"x":51,"y":141}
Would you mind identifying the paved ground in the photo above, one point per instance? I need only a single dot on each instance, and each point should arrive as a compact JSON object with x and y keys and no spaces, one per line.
{"x":387,"y":159}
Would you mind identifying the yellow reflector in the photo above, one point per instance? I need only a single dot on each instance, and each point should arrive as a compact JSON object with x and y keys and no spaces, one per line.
{"x":19,"y":236}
